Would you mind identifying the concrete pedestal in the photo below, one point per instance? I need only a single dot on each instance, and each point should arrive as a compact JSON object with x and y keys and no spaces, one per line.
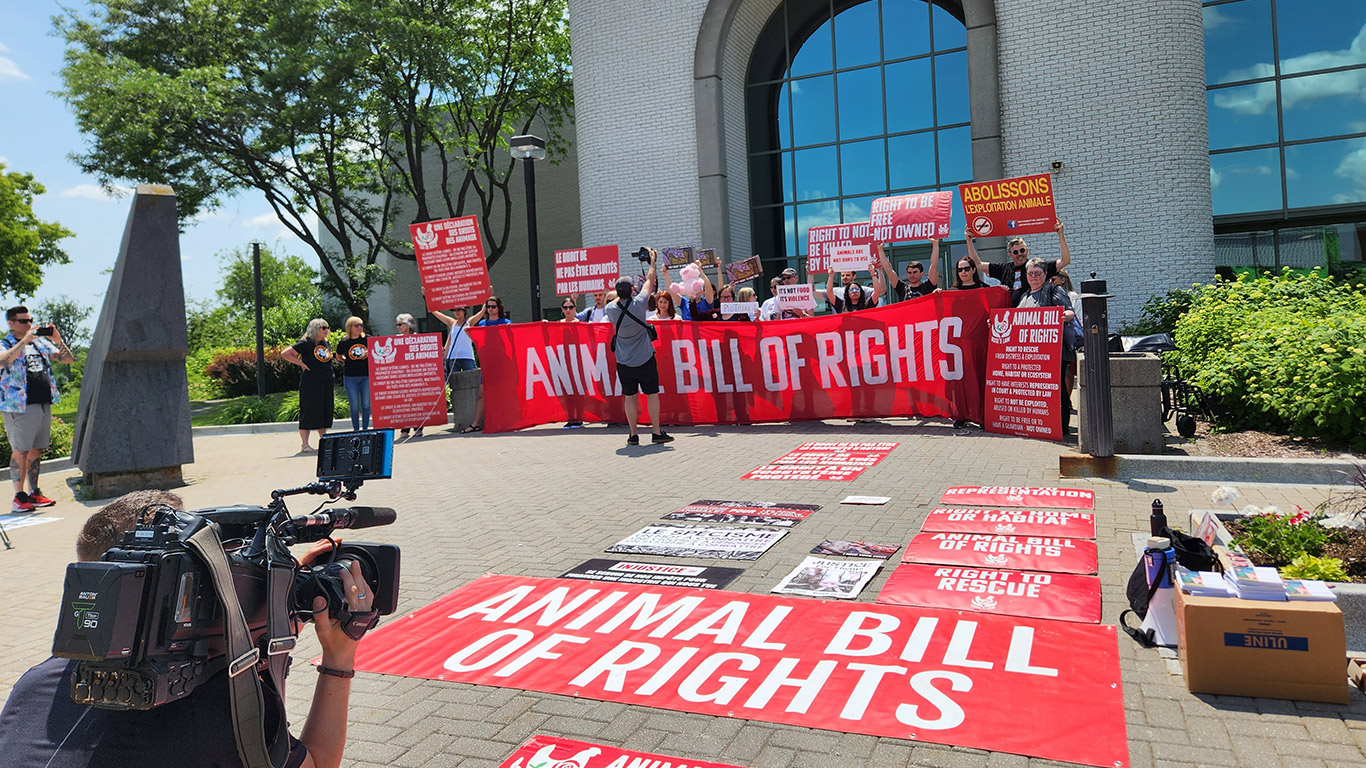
{"x":107,"y":485}
{"x":1136,"y":399}
{"x":465,"y":394}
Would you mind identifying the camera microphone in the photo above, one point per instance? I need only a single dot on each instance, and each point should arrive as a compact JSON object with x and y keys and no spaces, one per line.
{"x":352,"y":517}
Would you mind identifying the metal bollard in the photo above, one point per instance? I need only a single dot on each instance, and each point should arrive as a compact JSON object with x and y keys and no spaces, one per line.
{"x":1099,"y":415}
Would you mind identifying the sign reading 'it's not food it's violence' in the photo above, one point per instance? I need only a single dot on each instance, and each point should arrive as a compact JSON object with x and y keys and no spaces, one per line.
{"x":909,"y":673}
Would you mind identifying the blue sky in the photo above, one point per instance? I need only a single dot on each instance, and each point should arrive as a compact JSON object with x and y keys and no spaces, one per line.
{"x":37,"y":134}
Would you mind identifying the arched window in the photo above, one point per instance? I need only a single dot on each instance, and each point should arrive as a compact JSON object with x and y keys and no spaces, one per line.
{"x":848,"y":102}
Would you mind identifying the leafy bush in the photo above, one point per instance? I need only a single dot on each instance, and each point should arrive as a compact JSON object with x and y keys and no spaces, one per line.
{"x":233,"y":373}
{"x":1160,"y":313}
{"x":1307,"y":566}
{"x":60,"y":445}
{"x":1278,"y":540}
{"x":248,"y":410}
{"x":1285,"y":352}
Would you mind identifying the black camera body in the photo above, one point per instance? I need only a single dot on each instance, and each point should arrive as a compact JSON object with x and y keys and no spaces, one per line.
{"x":643,"y":254}
{"x":44,"y":330}
{"x":147,"y":620}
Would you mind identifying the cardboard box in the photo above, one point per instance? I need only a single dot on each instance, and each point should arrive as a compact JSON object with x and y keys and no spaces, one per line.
{"x":1291,"y":650}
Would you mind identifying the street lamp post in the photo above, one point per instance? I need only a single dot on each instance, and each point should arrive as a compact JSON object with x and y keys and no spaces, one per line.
{"x":529,"y":149}
{"x":260,"y":326}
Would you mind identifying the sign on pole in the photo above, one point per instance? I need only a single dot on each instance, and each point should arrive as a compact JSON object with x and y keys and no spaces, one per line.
{"x":450,"y":262}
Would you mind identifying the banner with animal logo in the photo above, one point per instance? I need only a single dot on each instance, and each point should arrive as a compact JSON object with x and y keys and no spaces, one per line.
{"x":554,"y":752}
{"x":450,"y":262}
{"x":1062,"y":596}
{"x":1017,"y":553}
{"x":917,"y":216}
{"x":1028,"y":686}
{"x":1015,"y":496}
{"x":1024,"y":373}
{"x":407,"y":381}
{"x":1012,"y":522}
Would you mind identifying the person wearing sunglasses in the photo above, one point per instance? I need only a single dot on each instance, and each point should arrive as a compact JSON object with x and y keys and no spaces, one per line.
{"x":491,"y":313}
{"x":916,"y":284}
{"x":1012,"y":273}
{"x":569,"y":311}
{"x":1042,"y":293}
{"x":314,"y":356}
{"x":355,"y":356}
{"x":27,"y":394}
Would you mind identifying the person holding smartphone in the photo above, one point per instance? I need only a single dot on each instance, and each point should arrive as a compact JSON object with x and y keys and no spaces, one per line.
{"x":27,"y":394}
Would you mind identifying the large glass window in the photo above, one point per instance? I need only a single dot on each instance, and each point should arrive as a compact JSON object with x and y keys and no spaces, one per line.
{"x":848,"y":102}
{"x":1286,"y":98}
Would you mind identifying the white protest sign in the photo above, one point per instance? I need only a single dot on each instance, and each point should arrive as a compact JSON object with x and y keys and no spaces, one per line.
{"x":851,"y":258}
{"x":739,"y":307}
{"x":800,"y":296}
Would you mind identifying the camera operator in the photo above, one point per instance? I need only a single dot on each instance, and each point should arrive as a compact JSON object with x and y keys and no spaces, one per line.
{"x":27,"y":392}
{"x":41,"y":726}
{"x":633,"y":345}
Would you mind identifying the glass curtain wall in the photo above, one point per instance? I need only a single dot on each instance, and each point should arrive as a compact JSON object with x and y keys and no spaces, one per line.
{"x":848,"y":102}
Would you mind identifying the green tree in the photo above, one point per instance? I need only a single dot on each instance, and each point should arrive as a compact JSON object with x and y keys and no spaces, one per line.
{"x":364,"y":114}
{"x":70,"y":317}
{"x":27,"y":244}
{"x":290,"y":297}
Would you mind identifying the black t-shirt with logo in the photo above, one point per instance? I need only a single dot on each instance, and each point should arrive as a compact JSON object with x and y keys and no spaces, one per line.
{"x":318,"y":357}
{"x":39,"y":376}
{"x":355,"y":357}
{"x":905,"y":290}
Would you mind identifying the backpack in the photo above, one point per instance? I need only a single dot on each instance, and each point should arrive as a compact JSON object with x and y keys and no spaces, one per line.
{"x":1072,"y":337}
{"x":1192,"y":553}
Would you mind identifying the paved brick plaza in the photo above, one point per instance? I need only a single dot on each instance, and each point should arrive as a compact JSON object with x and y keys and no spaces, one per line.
{"x":539,"y":502}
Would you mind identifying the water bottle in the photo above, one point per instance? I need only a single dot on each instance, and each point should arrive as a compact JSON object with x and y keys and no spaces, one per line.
{"x":1157,"y":521}
{"x":1158,"y":556}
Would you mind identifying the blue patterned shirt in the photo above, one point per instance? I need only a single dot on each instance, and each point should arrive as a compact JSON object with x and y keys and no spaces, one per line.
{"x":14,"y":377}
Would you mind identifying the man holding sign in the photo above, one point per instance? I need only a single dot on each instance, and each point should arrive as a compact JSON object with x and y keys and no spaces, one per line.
{"x":1012,"y":273}
{"x":915,"y":285}
{"x":774,"y":309}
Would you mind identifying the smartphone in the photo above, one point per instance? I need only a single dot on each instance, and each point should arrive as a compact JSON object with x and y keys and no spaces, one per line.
{"x":45,"y":330}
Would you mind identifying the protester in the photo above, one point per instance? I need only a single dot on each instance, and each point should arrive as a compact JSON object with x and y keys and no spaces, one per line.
{"x":635,"y":352}
{"x":727,"y":295}
{"x":492,"y":313}
{"x":568,"y":309}
{"x":406,"y":325}
{"x":459,"y":354}
{"x":968,"y":274}
{"x":1042,"y":293}
{"x":915,"y":285}
{"x":314,"y":357}
{"x":1011,"y":273}
{"x":598,"y":312}
{"x":27,"y":394}
{"x":854,"y":297}
{"x":702,"y":307}
{"x":745,"y":295}
{"x":769,"y":309}
{"x":664,"y":307}
{"x":1064,"y":281}
{"x":353,"y":351}
{"x":41,"y":725}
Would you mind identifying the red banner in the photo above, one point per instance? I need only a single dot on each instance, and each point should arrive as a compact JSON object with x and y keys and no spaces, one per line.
{"x":1012,"y":496}
{"x":1024,"y":373}
{"x":924,"y":357}
{"x":1018,"y":553}
{"x":407,"y":382}
{"x":821,"y":240}
{"x":450,"y":262}
{"x":586,"y":270}
{"x":920,"y":216}
{"x":1008,"y":207}
{"x":1016,"y":522}
{"x":823,"y":461}
{"x":1062,"y":596}
{"x":1048,"y":689}
{"x":554,"y":752}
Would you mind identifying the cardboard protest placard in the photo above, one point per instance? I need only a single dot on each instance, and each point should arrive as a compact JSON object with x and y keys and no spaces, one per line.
{"x":821,"y":577}
{"x":556,"y":752}
{"x":1013,"y":496}
{"x":1063,"y":596}
{"x":450,"y":262}
{"x":700,"y":541}
{"x":657,"y":574}
{"x":1024,"y":373}
{"x":799,"y":296}
{"x":1017,"y":553}
{"x":1004,"y":683}
{"x":1012,"y":522}
{"x":821,"y":240}
{"x":677,"y":257}
{"x":1008,"y":207}
{"x":586,"y":270}
{"x":707,"y":257}
{"x":407,"y":381}
{"x":919,"y":216}
{"x":773,"y":513}
{"x":743,"y":271}
{"x":851,"y":258}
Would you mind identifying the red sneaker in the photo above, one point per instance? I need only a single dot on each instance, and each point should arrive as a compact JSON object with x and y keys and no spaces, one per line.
{"x":21,"y":503}
{"x":37,"y":499}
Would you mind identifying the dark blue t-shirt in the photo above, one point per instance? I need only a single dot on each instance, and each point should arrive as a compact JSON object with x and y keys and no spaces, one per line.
{"x":195,"y":732}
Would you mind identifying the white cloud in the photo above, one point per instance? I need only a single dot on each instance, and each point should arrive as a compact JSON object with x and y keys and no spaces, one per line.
{"x":95,"y":192}
{"x":9,"y":69}
{"x":1353,"y":167}
{"x":1214,"y":178}
{"x":1215,"y":18}
{"x":1257,"y":99}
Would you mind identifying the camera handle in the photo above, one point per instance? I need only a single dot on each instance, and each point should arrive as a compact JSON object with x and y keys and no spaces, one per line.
{"x":333,"y":489}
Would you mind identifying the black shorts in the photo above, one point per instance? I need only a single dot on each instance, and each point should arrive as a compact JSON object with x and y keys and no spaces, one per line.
{"x":639,"y":378}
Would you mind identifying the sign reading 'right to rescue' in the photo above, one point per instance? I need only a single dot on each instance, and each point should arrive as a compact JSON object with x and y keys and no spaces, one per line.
{"x":1020,"y":206}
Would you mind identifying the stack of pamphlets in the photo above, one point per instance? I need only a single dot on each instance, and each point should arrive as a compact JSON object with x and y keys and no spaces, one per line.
{"x":1203,"y":583}
{"x":1307,"y":589}
{"x":1256,"y":583}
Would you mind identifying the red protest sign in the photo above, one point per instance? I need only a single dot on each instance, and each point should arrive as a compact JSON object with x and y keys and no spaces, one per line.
{"x":586,"y":270}
{"x":919,"y":216}
{"x":450,"y":262}
{"x":1018,"y":553}
{"x":554,"y":752}
{"x":820,"y":241}
{"x":1062,"y":596}
{"x":932,"y":675}
{"x":1012,"y":522}
{"x":840,"y":462}
{"x":407,"y":381}
{"x":1012,"y":496}
{"x":1007,"y":207}
{"x":1024,"y":373}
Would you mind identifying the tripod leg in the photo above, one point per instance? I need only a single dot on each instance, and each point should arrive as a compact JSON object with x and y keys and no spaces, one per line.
{"x":4,"y":537}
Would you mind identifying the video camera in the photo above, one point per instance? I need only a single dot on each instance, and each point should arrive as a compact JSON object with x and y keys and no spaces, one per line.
{"x":150,"y":621}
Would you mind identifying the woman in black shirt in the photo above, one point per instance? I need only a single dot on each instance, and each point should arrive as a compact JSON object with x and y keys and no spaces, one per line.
{"x":354,"y":353}
{"x":315,"y":383}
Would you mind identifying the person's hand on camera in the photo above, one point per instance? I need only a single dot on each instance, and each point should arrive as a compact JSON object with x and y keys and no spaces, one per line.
{"x":339,"y":648}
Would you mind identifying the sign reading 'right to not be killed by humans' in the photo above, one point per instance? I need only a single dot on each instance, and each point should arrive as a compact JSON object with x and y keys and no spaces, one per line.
{"x":586,"y":270}
{"x":450,"y":262}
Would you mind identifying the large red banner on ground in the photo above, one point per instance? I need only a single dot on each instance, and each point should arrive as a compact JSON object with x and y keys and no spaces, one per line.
{"x":1062,"y":596}
{"x":1014,"y":496}
{"x":1047,"y":689}
{"x":1008,"y":207}
{"x":1024,"y":373}
{"x":923,"y":357}
{"x":919,"y":216}
{"x":1012,"y":522}
{"x":554,"y":752}
{"x":407,"y":382}
{"x":1018,"y":553}
{"x":450,"y":262}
